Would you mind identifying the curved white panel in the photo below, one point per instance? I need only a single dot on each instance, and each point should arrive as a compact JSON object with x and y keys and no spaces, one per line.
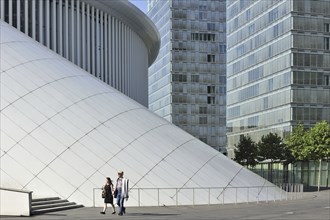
{"x":63,"y":131}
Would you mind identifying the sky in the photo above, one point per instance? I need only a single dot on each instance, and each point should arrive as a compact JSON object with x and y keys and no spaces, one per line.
{"x":141,"y":4}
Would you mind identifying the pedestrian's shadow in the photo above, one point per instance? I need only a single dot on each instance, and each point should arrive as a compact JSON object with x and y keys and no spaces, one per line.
{"x":152,"y":214}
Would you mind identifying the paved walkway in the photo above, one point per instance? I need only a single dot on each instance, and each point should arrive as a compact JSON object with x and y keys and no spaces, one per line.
{"x":312,"y":206}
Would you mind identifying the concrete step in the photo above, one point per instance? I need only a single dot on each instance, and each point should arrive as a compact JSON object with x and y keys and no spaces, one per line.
{"x":56,"y":209}
{"x":45,"y":202}
{"x":51,"y":204}
{"x":46,"y":206}
{"x":45,"y":199}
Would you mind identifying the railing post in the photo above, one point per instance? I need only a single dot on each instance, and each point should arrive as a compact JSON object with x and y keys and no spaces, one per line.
{"x":258,"y":195}
{"x":193,"y":196}
{"x":209,"y":202}
{"x":223,"y":196}
{"x":248,"y":189}
{"x":235,"y":195}
{"x":286,"y":194}
{"x":158,"y":195}
{"x":139,"y":202}
{"x":93,"y":197}
{"x":176,"y":196}
{"x":267,"y":194}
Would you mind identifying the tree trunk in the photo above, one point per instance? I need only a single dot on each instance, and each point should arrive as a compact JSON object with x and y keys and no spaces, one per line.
{"x":319,"y":177}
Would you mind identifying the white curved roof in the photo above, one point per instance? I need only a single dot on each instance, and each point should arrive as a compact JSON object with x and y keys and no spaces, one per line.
{"x":63,"y":131}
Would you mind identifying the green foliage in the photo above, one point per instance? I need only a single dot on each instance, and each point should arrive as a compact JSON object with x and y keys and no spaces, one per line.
{"x":246,"y":151}
{"x":317,"y":142}
{"x":313,"y":144}
{"x":295,"y":142}
{"x":271,"y":147}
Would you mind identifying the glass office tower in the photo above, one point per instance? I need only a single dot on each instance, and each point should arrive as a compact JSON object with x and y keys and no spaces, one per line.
{"x":187,"y":82}
{"x":278,"y":66}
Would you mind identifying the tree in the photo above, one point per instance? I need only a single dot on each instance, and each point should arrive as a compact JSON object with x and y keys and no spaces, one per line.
{"x":318,"y":145}
{"x":317,"y":142}
{"x":271,"y":147}
{"x":246,"y":152}
{"x":295,"y":142}
{"x":313,"y":144}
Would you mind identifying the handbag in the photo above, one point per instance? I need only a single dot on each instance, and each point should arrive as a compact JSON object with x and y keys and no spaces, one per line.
{"x":115,"y":193}
{"x":103,"y":193}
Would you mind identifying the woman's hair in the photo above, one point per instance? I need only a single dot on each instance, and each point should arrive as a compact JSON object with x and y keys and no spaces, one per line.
{"x":108,"y":178}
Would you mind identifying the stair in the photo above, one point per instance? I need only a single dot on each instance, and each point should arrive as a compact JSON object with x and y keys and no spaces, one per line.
{"x":51,"y":204}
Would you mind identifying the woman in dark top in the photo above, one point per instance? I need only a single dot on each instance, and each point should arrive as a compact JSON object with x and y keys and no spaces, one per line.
{"x":107,"y":191}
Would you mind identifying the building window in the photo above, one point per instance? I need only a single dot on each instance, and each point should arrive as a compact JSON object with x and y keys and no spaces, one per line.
{"x":203,"y":120}
{"x":211,"y":26}
{"x":270,"y":85}
{"x":222,"y":48}
{"x":210,"y":58}
{"x":194,"y":78}
{"x":251,"y":29}
{"x":202,"y":110}
{"x":202,"y":37}
{"x":210,"y":89}
{"x":210,"y":100}
{"x":327,"y":28}
{"x":327,"y":80}
{"x":327,"y":43}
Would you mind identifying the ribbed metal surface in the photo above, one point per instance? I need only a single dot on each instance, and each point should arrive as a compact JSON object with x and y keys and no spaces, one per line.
{"x":112,"y":40}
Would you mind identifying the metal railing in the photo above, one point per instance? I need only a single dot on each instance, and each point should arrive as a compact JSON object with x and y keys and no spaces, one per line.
{"x":210,"y":195}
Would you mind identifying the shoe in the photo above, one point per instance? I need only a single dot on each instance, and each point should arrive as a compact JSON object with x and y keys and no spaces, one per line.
{"x":120,"y":214}
{"x":102,"y":213}
{"x":113,"y":213}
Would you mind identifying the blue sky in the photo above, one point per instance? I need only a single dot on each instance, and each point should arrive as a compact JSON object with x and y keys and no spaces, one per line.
{"x":141,"y":4}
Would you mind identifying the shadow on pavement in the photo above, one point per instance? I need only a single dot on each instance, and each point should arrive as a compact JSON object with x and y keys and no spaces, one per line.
{"x":150,"y":214}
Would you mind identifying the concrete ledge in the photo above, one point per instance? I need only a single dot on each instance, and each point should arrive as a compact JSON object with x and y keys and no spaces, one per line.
{"x":15,"y":202}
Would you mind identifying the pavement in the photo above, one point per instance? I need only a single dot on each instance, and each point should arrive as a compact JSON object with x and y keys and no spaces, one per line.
{"x":310,"y":206}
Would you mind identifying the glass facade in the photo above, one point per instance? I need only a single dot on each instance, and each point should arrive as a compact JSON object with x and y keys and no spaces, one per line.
{"x":187,"y":82}
{"x":278,"y":64}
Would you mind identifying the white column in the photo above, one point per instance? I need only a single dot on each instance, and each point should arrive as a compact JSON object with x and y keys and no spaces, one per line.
{"x":120,"y":46}
{"x":60,"y":27}
{"x":10,"y":12}
{"x":47,"y":26}
{"x":34,"y":19}
{"x":18,"y":14}
{"x":109,"y":50}
{"x":130,"y":63}
{"x":66,"y":29}
{"x":98,"y":45}
{"x":83,"y":35}
{"x":101,"y":46}
{"x":127,"y":64}
{"x":26,"y":16}
{"x":88,"y":39}
{"x":106,"y":63}
{"x":2,"y":10}
{"x":72,"y":42}
{"x":124,"y":61}
{"x":78,"y":29}
{"x":113,"y":52}
{"x":54,"y":29}
{"x":93,"y":51}
{"x":41,"y":23}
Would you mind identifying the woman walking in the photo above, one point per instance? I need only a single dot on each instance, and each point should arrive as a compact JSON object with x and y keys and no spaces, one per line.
{"x":107,"y":193}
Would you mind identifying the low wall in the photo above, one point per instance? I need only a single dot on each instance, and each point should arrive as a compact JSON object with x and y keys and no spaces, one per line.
{"x":15,"y":202}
